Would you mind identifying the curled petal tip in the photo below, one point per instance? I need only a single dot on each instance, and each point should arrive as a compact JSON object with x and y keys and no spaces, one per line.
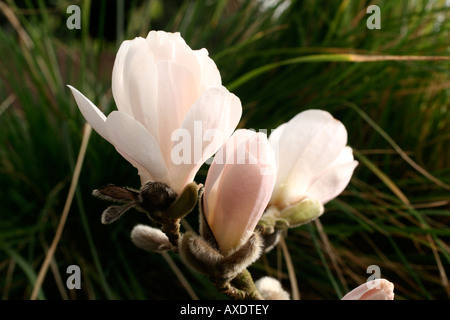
{"x":378,"y":289}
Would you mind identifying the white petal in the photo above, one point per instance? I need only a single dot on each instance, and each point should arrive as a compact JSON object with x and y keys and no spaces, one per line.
{"x":118,"y":81}
{"x":98,"y":121}
{"x":274,"y":140}
{"x":132,"y":140}
{"x":166,"y":45}
{"x":345,"y":156}
{"x":309,"y":143}
{"x":91,"y":113}
{"x":331,"y":182}
{"x":210,"y":122}
{"x":172,"y":47}
{"x":134,"y":83}
{"x":210,"y":75}
{"x":177,"y":93}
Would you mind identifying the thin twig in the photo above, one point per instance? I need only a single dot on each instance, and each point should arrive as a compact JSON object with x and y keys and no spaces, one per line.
{"x":179,"y":275}
{"x":291,"y":270}
{"x":14,"y":21}
{"x":62,"y":221}
{"x":444,"y":279}
{"x":58,"y":279}
{"x":8,"y":279}
{"x":7,"y":103}
{"x":330,"y":252}
{"x":279,"y":263}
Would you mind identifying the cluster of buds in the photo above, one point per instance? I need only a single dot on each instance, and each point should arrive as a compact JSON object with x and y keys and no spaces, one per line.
{"x":256,"y":187}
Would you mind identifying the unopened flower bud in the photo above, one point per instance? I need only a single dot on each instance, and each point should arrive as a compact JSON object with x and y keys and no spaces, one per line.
{"x":156,"y":196}
{"x":271,"y":289}
{"x":238,"y":187}
{"x":150,"y":239}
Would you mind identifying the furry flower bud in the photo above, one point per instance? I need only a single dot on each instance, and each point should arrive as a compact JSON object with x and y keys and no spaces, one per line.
{"x":271,"y":289}
{"x":150,"y":239}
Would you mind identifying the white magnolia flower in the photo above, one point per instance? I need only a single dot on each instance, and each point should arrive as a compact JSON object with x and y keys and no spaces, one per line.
{"x":161,"y":85}
{"x":312,"y":158}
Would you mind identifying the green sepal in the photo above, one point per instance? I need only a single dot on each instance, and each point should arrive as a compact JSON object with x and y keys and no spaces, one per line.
{"x":184,"y":204}
{"x":271,"y":221}
{"x":302,"y":212}
{"x":268,"y":221}
{"x":281,"y":224}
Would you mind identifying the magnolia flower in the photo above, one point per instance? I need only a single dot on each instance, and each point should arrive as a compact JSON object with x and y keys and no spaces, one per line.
{"x":238,"y":187}
{"x":313,"y":160}
{"x":161,"y":86}
{"x":378,"y":289}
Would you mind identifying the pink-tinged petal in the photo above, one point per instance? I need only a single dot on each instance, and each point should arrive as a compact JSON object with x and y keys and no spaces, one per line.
{"x":209,"y":123}
{"x":309,"y":143}
{"x":333,"y":180}
{"x":274,"y":140}
{"x":345,"y":156}
{"x":243,"y":193}
{"x":98,"y":121}
{"x":119,"y":85}
{"x":135,"y":83}
{"x":166,"y":44}
{"x":172,"y":47}
{"x":91,"y":113}
{"x":210,"y":75}
{"x":177,"y":93}
{"x":379,"y":289}
{"x":132,"y":140}
{"x":223,"y":160}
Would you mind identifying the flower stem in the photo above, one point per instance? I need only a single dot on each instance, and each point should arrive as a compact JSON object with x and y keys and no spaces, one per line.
{"x":172,"y":229}
{"x":241,"y":287}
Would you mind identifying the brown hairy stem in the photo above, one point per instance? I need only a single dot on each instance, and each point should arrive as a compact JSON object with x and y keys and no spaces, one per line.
{"x":172,"y":229}
{"x":241,"y":287}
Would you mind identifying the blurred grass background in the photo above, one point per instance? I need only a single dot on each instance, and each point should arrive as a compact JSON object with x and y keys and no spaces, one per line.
{"x":280,"y":57}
